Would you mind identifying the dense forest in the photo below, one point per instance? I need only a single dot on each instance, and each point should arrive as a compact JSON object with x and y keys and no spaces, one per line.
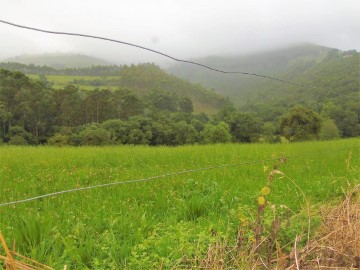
{"x":333,"y":73}
{"x":32,"y":112}
{"x":142,"y":104}
{"x":140,"y":79}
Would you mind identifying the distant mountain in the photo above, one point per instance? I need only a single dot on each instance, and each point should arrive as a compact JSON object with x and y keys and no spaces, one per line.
{"x":272,"y":63}
{"x":59,"y":60}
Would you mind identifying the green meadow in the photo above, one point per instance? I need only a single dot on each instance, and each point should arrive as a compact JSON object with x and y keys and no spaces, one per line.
{"x":167,"y":222}
{"x":60,"y":81}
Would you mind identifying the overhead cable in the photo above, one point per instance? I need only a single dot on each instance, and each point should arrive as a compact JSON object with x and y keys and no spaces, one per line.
{"x":171,"y":57}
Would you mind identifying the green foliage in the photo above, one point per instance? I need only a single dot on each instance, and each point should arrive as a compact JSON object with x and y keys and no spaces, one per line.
{"x":244,"y":127}
{"x":19,"y":136}
{"x":59,"y":140}
{"x":329,"y":130}
{"x":186,"y":105}
{"x":95,"y":135}
{"x":300,"y":124}
{"x":219,"y":133}
{"x":269,"y":133}
{"x":169,"y":110}
{"x":117,"y":129}
{"x":332,"y":72}
{"x":18,"y":140}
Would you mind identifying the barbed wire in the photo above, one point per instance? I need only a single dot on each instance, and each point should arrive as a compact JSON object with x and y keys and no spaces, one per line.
{"x":144,"y":179}
{"x":172,"y":57}
{"x":281,"y":159}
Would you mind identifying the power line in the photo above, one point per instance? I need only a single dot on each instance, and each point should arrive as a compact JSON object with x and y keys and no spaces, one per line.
{"x":171,"y":57}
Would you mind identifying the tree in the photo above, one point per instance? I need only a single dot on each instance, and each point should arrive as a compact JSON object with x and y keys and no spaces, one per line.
{"x":4,"y":118}
{"x":59,"y":140}
{"x":68,"y":111}
{"x":244,"y":127}
{"x":186,"y":105}
{"x":300,"y":124}
{"x":268,"y":133}
{"x":329,"y":130}
{"x":18,"y":135}
{"x":219,"y":133}
{"x":184,"y":133}
{"x":127,"y":104}
{"x":117,"y":129}
{"x":95,"y":135}
{"x":139,"y":130}
{"x":163,"y":101}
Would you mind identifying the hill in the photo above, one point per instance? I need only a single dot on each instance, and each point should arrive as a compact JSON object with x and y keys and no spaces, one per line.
{"x":141,"y":79}
{"x":59,"y":60}
{"x":333,"y":73}
{"x":272,"y":63}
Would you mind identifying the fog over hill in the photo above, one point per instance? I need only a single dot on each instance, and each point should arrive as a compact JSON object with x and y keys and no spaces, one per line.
{"x":59,"y":60}
{"x":288,"y":63}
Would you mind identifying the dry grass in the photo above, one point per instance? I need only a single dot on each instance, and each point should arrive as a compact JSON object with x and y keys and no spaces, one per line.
{"x":15,"y":261}
{"x":337,"y":245}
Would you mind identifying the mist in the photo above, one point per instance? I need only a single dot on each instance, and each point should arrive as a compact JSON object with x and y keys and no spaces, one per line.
{"x":183,"y":29}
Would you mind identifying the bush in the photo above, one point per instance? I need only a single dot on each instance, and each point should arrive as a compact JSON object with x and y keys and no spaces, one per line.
{"x":59,"y":140}
{"x":329,"y":130}
{"x":95,"y":135}
{"x":18,"y":140}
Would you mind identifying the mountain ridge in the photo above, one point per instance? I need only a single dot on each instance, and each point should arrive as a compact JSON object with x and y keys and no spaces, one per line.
{"x":58,"y":60}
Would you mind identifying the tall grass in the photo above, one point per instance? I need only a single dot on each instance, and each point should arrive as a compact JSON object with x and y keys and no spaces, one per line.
{"x":166,"y":222}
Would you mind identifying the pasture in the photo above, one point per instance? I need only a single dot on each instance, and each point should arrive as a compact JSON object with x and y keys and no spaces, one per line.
{"x":83,"y":82}
{"x":167,"y":222}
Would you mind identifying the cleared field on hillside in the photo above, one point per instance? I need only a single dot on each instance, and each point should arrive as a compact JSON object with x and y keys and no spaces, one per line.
{"x":60,"y":81}
{"x":202,"y":102}
{"x":170,"y":221}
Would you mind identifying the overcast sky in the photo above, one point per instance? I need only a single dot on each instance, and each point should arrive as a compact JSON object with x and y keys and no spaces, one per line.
{"x":182,"y":28}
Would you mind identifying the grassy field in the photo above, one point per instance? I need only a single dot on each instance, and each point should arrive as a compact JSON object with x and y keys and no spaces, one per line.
{"x":60,"y":81}
{"x":167,"y":222}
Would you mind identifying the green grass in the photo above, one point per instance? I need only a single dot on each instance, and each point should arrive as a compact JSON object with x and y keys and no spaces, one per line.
{"x":60,"y":81}
{"x":168,"y":221}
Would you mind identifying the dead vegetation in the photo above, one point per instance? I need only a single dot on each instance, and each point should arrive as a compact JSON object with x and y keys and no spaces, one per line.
{"x":335,"y":246}
{"x":338,"y":243}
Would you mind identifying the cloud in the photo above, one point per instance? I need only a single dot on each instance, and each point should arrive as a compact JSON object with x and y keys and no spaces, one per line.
{"x":184,"y":28}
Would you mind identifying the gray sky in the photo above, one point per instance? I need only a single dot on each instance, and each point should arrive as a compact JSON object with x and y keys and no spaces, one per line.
{"x":182,"y":28}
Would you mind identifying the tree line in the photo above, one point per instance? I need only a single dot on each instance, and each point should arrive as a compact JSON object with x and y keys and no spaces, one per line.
{"x":31,"y":112}
{"x":95,"y":70}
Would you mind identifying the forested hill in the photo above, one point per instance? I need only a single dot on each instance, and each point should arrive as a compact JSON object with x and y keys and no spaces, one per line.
{"x":59,"y":60}
{"x":296,"y":64}
{"x":145,"y":77}
{"x":140,"y":79}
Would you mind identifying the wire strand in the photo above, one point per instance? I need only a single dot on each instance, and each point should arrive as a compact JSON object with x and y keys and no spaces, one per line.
{"x":171,"y":57}
{"x":282,"y":159}
{"x":141,"y":180}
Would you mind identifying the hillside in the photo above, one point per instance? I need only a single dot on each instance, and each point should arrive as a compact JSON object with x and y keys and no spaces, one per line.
{"x":141,"y":79}
{"x":59,"y":60}
{"x":334,"y":74}
{"x":271,"y":63}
